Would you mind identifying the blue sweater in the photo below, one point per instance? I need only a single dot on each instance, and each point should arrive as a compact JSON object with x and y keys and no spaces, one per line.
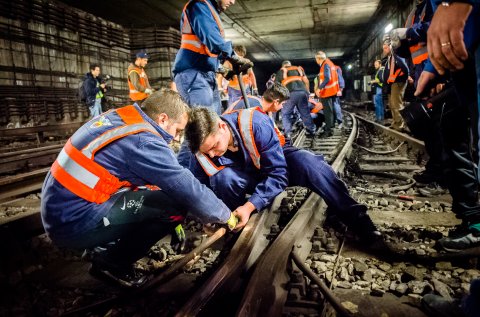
{"x":141,"y":159}
{"x":206,"y":29}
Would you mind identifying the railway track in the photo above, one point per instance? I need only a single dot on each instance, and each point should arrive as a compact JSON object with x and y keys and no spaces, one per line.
{"x":288,"y":262}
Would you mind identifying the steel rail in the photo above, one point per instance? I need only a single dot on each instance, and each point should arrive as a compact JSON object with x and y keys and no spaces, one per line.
{"x":266,"y":293}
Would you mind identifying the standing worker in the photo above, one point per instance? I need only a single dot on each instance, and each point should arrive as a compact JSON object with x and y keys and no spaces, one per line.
{"x":336,"y":104}
{"x":377,"y":84}
{"x":137,"y":78}
{"x":117,"y":180}
{"x":396,"y":74}
{"x":202,"y":48}
{"x":93,"y":90}
{"x":327,"y":89}
{"x":249,"y":80}
{"x":293,"y":77}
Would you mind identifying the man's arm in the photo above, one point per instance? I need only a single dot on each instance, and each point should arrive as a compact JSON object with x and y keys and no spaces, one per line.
{"x":135,"y":80}
{"x":159,"y":166}
{"x":206,"y":29}
{"x":327,"y":75}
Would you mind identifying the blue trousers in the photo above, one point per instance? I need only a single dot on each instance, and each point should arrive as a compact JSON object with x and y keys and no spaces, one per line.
{"x":96,"y":108}
{"x":311,"y":171}
{"x":199,"y":88}
{"x":304,"y":169}
{"x":298,"y":99}
{"x":378,"y":102}
{"x":338,"y":110}
{"x":136,"y":221}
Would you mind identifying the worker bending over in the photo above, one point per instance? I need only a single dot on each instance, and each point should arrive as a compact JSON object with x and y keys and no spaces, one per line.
{"x":117,"y":180}
{"x":311,"y":171}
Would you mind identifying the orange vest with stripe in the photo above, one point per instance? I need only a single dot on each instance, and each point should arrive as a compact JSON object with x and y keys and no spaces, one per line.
{"x":332,"y":87}
{"x":418,"y":51}
{"x":76,"y":169}
{"x":136,"y":95}
{"x":298,"y":74}
{"x":189,"y":40}
{"x":245,"y":125}
{"x":317,"y":105}
{"x":392,"y":76}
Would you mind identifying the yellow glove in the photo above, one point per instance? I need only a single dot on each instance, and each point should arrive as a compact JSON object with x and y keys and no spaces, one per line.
{"x":232,"y":221}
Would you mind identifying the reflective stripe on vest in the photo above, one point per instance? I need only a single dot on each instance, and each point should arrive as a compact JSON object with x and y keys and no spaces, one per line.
{"x":245,"y":118}
{"x":189,"y":40}
{"x":208,"y":166}
{"x":392,"y":77}
{"x":99,"y":93}
{"x":379,"y":82}
{"x":418,"y":51}
{"x":136,"y":95}
{"x":288,"y":79}
{"x":77,"y":171}
{"x":332,"y":87}
{"x":317,"y":106}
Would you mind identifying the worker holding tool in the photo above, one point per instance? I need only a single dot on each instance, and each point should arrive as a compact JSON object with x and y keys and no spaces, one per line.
{"x":202,"y":49}
{"x":311,"y":171}
{"x":117,"y":184}
{"x":138,"y":83}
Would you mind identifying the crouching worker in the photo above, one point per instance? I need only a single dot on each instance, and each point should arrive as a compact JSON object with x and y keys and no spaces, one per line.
{"x":311,"y":171}
{"x":117,"y":180}
{"x":237,"y":154}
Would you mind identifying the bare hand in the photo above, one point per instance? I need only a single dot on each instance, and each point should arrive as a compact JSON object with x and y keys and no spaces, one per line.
{"x":102,"y":85}
{"x":243,"y":214}
{"x":423,"y":81}
{"x":446,"y":48}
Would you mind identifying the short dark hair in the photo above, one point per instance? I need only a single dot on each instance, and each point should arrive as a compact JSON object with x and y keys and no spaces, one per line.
{"x":276,"y":91}
{"x":93,"y":66}
{"x":202,"y":122}
{"x":240,"y":50}
{"x":165,"y":101}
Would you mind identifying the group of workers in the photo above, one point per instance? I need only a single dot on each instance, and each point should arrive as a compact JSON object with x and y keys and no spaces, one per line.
{"x":118,"y":184}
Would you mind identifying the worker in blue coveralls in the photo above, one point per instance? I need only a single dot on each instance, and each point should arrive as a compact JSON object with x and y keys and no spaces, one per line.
{"x":117,"y":180}
{"x":294,"y":78}
{"x":309,"y":170}
{"x":202,"y":49}
{"x":454,"y":33}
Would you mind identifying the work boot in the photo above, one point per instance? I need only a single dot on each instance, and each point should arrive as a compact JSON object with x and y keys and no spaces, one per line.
{"x":426,"y":177}
{"x":360,"y":223}
{"x":125,"y":277}
{"x":438,"y":306}
{"x":432,"y":189}
{"x":460,"y":243}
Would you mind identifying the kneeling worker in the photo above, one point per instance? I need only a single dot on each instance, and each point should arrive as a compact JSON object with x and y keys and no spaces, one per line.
{"x":221,"y":143}
{"x":117,"y":180}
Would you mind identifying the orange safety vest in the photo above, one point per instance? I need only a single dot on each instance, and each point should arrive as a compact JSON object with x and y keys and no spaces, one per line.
{"x":287,"y":79}
{"x":245,"y":119}
{"x":76,"y":169}
{"x":233,"y":83}
{"x":136,"y":95}
{"x":189,"y":40}
{"x":418,"y":51}
{"x":332,"y":87}
{"x":318,"y":105}
{"x":392,"y":77}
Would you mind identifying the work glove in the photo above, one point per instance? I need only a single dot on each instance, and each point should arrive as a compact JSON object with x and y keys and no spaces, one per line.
{"x":148,"y":91}
{"x":226,"y":72}
{"x":255,"y":92}
{"x":178,"y":239}
{"x":232,"y":221}
{"x":240,"y":64}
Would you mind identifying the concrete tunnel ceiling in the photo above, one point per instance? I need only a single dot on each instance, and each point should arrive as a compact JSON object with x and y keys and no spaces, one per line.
{"x":271,"y":30}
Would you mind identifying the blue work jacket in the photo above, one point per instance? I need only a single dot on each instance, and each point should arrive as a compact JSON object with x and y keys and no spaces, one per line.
{"x":141,"y":159}
{"x":206,"y":29}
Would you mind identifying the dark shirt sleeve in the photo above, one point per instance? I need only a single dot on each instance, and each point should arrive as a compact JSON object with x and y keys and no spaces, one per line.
{"x":272,"y":163}
{"x":326,"y":74}
{"x":159,"y":166}
{"x":400,"y":63}
{"x":279,"y":76}
{"x":206,"y":29}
